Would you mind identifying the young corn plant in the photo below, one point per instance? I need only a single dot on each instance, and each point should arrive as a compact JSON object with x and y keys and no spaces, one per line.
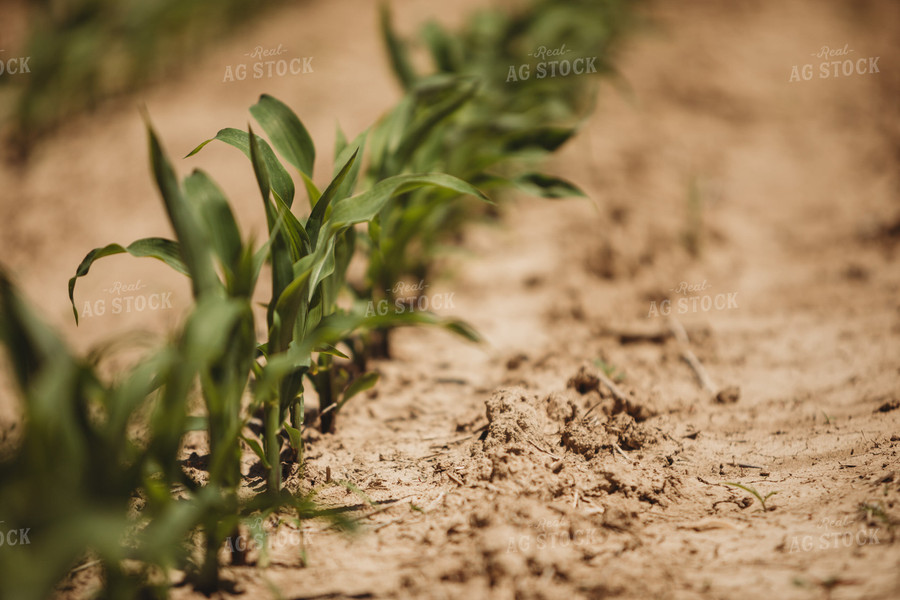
{"x":309,"y":259}
{"x":496,"y":131}
{"x":92,"y":452}
{"x":494,"y":44}
{"x":762,"y":499}
{"x":433,"y":129}
{"x":97,"y":477}
{"x":440,"y":125}
{"x":207,"y":237}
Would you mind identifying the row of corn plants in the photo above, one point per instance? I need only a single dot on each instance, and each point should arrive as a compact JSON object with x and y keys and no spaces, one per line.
{"x":396,"y":191}
{"x":84,"y":51}
{"x":238,"y":376}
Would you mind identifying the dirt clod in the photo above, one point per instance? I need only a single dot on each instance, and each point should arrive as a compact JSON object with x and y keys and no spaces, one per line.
{"x":584,"y":381}
{"x":889,"y":406}
{"x":729,"y":395}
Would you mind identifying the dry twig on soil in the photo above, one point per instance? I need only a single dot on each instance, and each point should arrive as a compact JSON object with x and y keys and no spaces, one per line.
{"x":690,"y":358}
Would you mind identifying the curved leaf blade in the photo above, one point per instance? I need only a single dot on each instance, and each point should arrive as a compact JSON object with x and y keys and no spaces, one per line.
{"x":159,"y":248}
{"x":221,"y":226}
{"x":289,"y":137}
{"x":363,"y":207}
{"x":314,"y":223}
{"x":281,"y":180}
{"x":547,"y":186}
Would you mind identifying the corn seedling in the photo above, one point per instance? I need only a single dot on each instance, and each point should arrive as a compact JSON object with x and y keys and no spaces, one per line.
{"x":611,"y":370}
{"x":78,"y":472}
{"x":493,"y":40}
{"x":310,"y":259}
{"x":762,"y":499}
{"x":94,"y":452}
{"x":875,"y":510}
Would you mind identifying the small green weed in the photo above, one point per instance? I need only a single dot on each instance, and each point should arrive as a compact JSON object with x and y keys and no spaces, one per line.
{"x":762,"y":499}
{"x":611,"y":371}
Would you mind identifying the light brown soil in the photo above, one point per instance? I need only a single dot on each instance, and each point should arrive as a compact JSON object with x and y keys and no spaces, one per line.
{"x":502,"y":484}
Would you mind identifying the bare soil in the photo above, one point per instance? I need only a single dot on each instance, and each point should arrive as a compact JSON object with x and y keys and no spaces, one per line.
{"x":511,"y":470}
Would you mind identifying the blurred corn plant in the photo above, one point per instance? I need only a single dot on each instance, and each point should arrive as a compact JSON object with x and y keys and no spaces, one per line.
{"x":493,"y":40}
{"x":83,"y":51}
{"x":465,"y":118}
{"x":433,"y":129}
{"x":70,"y":483}
{"x":96,"y":469}
{"x":96,"y":478}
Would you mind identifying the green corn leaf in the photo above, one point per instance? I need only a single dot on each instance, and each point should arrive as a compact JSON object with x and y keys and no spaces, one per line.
{"x":259,"y":257}
{"x":362,"y":383}
{"x":247,"y":270}
{"x":196,"y":424}
{"x":324,"y":265}
{"x":413,"y":318}
{"x":208,"y":332}
{"x":314,"y":224}
{"x":340,"y":143}
{"x":287,"y":308}
{"x":341,"y":157}
{"x":221,"y":227}
{"x":280,"y":253}
{"x":374,"y":230}
{"x":30,"y":342}
{"x":547,"y":139}
{"x":257,"y":450}
{"x":289,"y":137}
{"x":293,"y":306}
{"x":159,"y":248}
{"x":440,"y":44}
{"x":260,"y":169}
{"x":338,"y":327}
{"x":460,"y":328}
{"x":281,"y":180}
{"x":169,"y":529}
{"x":295,"y":436}
{"x":125,"y":399}
{"x":397,"y":50}
{"x":309,"y":321}
{"x":182,"y":215}
{"x":363,"y":207}
{"x":297,"y":237}
{"x":331,"y":351}
{"x":490,"y":181}
{"x":344,"y":249}
{"x":456,"y":326}
{"x":385,"y":135}
{"x":312,"y":192}
{"x":547,"y":186}
{"x":416,"y":135}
